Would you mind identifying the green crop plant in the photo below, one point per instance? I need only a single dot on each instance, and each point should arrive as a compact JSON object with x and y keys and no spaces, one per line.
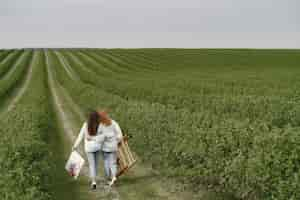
{"x":220,"y":118}
{"x":250,"y":151}
{"x":16,"y":73}
{"x":8,"y":61}
{"x":24,"y":157}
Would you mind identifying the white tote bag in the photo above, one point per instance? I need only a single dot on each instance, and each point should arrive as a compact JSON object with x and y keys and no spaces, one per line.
{"x":74,"y":164}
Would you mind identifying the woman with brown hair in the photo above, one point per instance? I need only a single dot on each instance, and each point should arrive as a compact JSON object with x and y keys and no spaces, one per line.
{"x":90,"y":130}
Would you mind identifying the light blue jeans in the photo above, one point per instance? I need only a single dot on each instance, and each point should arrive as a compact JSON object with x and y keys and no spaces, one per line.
{"x":93,"y":159}
{"x":110,"y":164}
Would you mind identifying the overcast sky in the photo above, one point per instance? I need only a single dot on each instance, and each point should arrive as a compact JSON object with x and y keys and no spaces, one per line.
{"x":150,"y":23}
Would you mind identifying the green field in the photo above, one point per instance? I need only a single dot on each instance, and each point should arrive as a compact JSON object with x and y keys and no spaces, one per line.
{"x":205,"y":123}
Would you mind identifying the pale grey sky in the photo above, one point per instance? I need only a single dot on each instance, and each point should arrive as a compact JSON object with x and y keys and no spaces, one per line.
{"x":150,"y":23}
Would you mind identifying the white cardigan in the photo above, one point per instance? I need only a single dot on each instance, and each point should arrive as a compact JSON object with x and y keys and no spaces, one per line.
{"x":109,"y":136}
{"x":90,"y":145}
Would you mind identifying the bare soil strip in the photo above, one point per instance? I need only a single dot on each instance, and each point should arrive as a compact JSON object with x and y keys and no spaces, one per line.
{"x":59,"y":106}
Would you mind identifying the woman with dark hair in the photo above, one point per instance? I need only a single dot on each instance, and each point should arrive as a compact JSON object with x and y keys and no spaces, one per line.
{"x":92,"y":148}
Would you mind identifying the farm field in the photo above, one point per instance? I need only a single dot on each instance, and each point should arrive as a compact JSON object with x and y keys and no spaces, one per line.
{"x":205,"y":123}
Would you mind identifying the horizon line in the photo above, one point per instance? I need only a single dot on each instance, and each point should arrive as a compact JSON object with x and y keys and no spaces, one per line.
{"x":132,"y":48}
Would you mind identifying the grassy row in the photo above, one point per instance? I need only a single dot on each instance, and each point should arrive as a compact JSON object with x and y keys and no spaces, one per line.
{"x":131,"y":59}
{"x":4,"y":53}
{"x":24,"y":156}
{"x":275,"y":103}
{"x":248,"y":74}
{"x":168,"y":57}
{"x":246,"y":158}
{"x":9,"y":61}
{"x":108,"y":62}
{"x":16,"y":73}
{"x":128,"y":61}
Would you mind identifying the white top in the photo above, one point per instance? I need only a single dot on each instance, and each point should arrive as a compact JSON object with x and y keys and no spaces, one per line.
{"x":90,"y":145}
{"x":109,"y":136}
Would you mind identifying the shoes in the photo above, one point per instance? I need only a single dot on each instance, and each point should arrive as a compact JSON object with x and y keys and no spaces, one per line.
{"x":94,"y":185}
{"x":112,"y":182}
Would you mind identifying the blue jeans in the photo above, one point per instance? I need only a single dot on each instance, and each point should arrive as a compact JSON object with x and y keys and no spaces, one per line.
{"x":93,"y":159}
{"x":110,"y":164}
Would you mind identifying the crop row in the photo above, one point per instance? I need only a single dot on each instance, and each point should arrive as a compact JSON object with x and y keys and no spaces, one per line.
{"x":275,"y":103}
{"x":15,"y":74}
{"x":24,"y":157}
{"x":247,"y":158}
{"x":4,"y":53}
{"x":8,"y":61}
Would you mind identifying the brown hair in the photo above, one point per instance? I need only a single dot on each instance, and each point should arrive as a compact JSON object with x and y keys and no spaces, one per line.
{"x":93,"y":122}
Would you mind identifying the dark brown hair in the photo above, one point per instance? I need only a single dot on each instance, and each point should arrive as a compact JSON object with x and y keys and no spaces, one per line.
{"x":93,"y":122}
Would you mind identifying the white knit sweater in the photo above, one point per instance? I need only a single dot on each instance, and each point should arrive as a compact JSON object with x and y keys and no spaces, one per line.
{"x":90,"y":145}
{"x":109,"y":136}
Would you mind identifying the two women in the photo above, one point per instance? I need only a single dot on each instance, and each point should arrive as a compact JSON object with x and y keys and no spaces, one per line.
{"x":101,"y":136}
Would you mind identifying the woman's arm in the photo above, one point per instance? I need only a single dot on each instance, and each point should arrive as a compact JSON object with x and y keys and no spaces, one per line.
{"x":80,"y":136}
{"x":118,"y":132}
{"x":99,"y":138}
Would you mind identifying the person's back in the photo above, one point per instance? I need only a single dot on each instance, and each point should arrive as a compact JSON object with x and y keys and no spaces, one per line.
{"x":112,"y":136}
{"x":89,"y":133}
{"x":90,"y":145}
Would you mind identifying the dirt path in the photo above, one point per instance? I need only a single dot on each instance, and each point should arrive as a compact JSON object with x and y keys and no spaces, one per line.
{"x":140,"y":183}
{"x":17,"y":92}
{"x":70,"y":121}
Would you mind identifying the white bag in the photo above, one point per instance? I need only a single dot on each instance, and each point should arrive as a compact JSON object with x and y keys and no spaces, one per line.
{"x":74,"y":164}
